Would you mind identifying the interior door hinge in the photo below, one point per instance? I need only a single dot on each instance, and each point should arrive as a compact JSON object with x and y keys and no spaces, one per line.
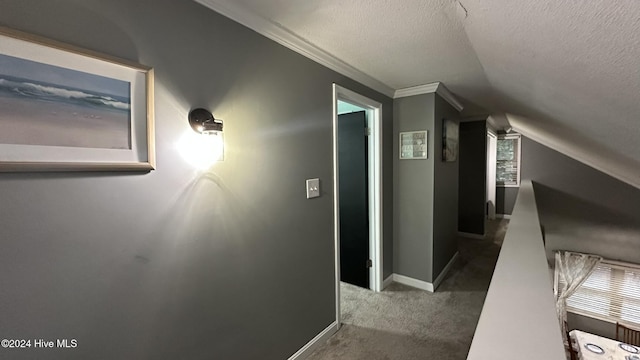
{"x":369,"y":263}
{"x":367,"y":131}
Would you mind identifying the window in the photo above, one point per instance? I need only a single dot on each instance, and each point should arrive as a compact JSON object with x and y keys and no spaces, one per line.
{"x":612,"y":292}
{"x":508,"y":161}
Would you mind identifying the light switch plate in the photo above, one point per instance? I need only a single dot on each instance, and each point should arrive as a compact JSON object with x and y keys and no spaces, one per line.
{"x":313,"y":188}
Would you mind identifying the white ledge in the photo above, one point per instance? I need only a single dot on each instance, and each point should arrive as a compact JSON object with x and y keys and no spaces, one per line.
{"x":518,"y":320}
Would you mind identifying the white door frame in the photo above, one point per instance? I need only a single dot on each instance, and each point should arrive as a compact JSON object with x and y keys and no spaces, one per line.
{"x":374,"y":143}
{"x":492,"y":139}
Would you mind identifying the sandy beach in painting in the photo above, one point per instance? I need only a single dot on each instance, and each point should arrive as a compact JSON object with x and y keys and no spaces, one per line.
{"x":29,"y":122}
{"x":47,"y":105}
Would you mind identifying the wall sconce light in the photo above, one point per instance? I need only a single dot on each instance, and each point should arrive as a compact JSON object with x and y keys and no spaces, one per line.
{"x":203,"y":122}
{"x":205,"y":147}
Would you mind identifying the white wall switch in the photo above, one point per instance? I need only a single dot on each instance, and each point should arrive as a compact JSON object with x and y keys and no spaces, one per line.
{"x":313,"y":188}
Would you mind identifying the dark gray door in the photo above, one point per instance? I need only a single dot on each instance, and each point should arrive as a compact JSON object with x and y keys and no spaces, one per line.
{"x":354,"y":204}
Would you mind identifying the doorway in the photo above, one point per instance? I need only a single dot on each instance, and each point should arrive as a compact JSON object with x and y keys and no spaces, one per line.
{"x":367,"y":117}
{"x":353,"y":192}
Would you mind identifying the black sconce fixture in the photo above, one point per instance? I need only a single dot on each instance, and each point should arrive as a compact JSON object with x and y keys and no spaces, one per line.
{"x":203,"y":122}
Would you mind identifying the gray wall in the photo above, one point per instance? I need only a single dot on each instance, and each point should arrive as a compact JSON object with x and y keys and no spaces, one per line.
{"x":413,"y":190}
{"x":445,"y":194}
{"x":472,"y":188}
{"x":178,"y":263}
{"x":582,"y":209}
{"x":506,"y":199}
{"x":591,"y":325}
{"x":425,"y":192}
{"x":579,"y":206}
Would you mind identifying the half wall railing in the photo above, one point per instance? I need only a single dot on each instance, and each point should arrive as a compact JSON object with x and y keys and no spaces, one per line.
{"x":518,"y":319}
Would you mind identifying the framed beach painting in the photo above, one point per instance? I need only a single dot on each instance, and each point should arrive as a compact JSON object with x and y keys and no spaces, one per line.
{"x":63,"y":108}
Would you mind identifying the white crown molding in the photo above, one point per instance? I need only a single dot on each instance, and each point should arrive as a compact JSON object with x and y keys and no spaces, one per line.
{"x":436,"y":87}
{"x":449,"y":97}
{"x":492,"y":124}
{"x":416,"y":90}
{"x":294,"y":42}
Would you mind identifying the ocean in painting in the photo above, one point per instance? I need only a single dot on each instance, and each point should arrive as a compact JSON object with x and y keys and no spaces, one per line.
{"x":41,"y":91}
{"x":46,"y":105}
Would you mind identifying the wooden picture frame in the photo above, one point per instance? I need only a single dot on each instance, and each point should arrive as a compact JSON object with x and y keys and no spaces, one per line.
{"x":63,"y":108}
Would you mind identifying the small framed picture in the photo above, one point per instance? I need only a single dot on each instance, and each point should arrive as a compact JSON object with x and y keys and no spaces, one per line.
{"x":414,"y":145}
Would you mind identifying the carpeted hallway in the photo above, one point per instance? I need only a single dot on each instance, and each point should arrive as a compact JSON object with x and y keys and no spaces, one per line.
{"x":405,"y":323}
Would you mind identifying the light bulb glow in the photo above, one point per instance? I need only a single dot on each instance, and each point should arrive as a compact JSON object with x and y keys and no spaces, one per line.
{"x":201,"y":150}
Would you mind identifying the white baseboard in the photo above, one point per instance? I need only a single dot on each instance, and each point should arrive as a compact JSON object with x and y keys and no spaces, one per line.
{"x":503,"y":216}
{"x":418,"y":284}
{"x":423,"y":285}
{"x":387,"y":281}
{"x":444,"y":271}
{"x":320,"y":339}
{"x":471,"y":235}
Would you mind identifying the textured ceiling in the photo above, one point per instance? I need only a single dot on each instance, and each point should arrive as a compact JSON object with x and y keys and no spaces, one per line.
{"x":424,"y":36}
{"x":572,"y":69}
{"x":566,"y":71}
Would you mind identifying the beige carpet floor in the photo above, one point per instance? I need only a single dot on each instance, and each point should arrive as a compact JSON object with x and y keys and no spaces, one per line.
{"x":406,"y":323}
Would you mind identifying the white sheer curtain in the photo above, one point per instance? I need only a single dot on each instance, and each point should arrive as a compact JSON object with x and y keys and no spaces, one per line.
{"x":572,"y":269}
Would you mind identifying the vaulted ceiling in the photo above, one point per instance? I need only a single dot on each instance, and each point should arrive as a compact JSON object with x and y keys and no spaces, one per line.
{"x":564,"y":72}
